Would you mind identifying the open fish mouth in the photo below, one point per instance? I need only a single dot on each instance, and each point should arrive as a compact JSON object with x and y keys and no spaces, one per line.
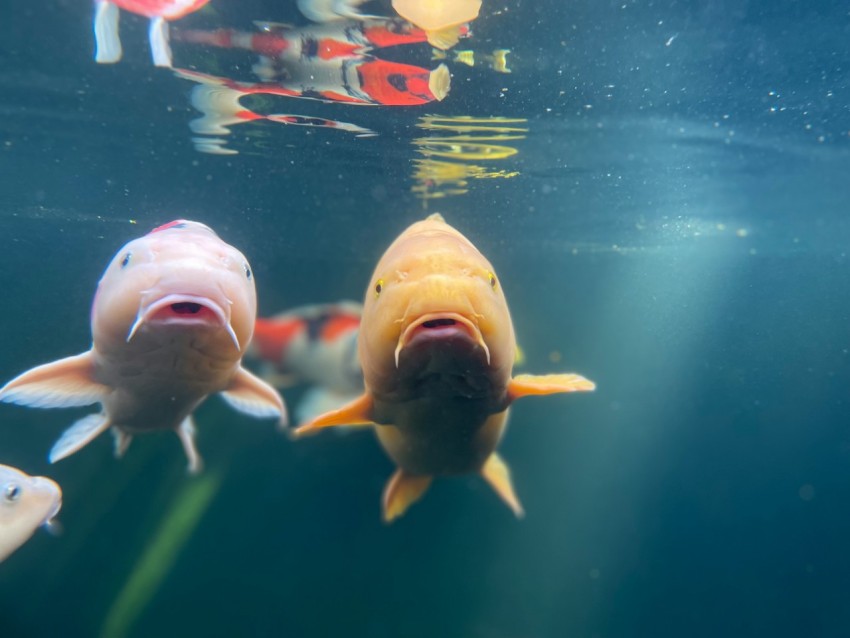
{"x":178,"y":309}
{"x":441,"y":325}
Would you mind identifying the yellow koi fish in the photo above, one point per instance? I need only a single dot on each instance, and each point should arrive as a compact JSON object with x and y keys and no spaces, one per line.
{"x":437,"y":349}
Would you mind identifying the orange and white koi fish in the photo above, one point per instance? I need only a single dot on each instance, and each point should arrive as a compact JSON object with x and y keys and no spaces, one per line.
{"x":443,"y":21}
{"x":171,"y":319}
{"x":26,"y":503}
{"x":437,"y":349}
{"x":314,"y":345}
{"x":106,"y":14}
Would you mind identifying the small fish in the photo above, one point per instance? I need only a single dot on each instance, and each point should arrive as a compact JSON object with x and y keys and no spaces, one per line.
{"x":171,"y":319}
{"x":498,"y":60}
{"x":106,"y":14}
{"x":26,"y":503}
{"x":437,"y":349}
{"x":314,"y":345}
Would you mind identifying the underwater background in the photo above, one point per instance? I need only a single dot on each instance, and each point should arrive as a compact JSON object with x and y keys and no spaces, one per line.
{"x":676,"y":230}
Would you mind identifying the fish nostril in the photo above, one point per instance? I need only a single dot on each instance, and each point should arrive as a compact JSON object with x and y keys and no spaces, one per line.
{"x":186,"y":308}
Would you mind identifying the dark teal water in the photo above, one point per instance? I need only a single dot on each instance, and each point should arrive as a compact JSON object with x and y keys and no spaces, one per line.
{"x":678,"y":233}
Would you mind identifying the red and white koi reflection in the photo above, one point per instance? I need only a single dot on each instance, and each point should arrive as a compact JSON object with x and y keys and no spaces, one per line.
{"x":329,"y":62}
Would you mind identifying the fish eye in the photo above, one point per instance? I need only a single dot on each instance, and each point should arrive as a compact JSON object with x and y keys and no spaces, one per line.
{"x":492,"y":280}
{"x":379,"y":286}
{"x":11,"y":492}
{"x":126,"y":260}
{"x":247,"y":271}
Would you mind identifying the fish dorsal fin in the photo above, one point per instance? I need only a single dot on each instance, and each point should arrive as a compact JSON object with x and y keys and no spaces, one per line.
{"x":78,"y":435}
{"x":402,"y":491}
{"x":497,"y":474}
{"x":106,"y":39}
{"x":535,"y":384}
{"x":253,"y":396}
{"x":65,"y":383}
{"x":186,"y":432}
{"x":357,"y":412}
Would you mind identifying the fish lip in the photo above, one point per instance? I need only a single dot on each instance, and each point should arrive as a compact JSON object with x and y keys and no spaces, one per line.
{"x":464,"y":322}
{"x":220,"y":312}
{"x":42,"y":482}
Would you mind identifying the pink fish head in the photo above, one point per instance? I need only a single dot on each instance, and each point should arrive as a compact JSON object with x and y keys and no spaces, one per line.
{"x":180,"y":278}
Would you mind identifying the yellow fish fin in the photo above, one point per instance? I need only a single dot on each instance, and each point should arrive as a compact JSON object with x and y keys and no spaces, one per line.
{"x":444,"y":38}
{"x":533,"y":384}
{"x":357,"y":412}
{"x":498,"y":475}
{"x":402,"y":491}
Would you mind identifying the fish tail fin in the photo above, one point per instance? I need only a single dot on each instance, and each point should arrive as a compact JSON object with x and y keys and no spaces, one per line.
{"x":65,"y":383}
{"x":357,"y":412}
{"x":402,"y":491}
{"x":498,"y":475}
{"x":186,"y":433}
{"x":158,"y":37}
{"x":500,"y":61}
{"x":121,"y":440}
{"x":220,"y":107}
{"x":437,"y":54}
{"x":250,"y":395}
{"x":465,"y":57}
{"x":531,"y":384}
{"x":78,"y":435}
{"x":106,"y":38}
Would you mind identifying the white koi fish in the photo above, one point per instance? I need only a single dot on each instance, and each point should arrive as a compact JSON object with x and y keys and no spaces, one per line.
{"x":171,"y":318}
{"x":26,"y":503}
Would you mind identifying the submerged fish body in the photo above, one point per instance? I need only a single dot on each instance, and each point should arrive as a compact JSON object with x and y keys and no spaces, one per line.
{"x":437,"y":349}
{"x":26,"y":503}
{"x":171,"y":319}
{"x":108,"y":42}
{"x":314,"y":345}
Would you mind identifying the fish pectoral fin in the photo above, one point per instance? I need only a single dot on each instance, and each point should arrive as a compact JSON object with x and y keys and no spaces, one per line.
{"x":186,"y":433}
{"x":445,"y":38}
{"x":158,"y":38}
{"x":357,"y":412}
{"x":78,"y":435}
{"x":535,"y":384}
{"x":107,"y":41}
{"x":498,"y":475}
{"x":251,"y":395}
{"x":65,"y":383}
{"x":402,"y":491}
{"x":121,"y":440}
